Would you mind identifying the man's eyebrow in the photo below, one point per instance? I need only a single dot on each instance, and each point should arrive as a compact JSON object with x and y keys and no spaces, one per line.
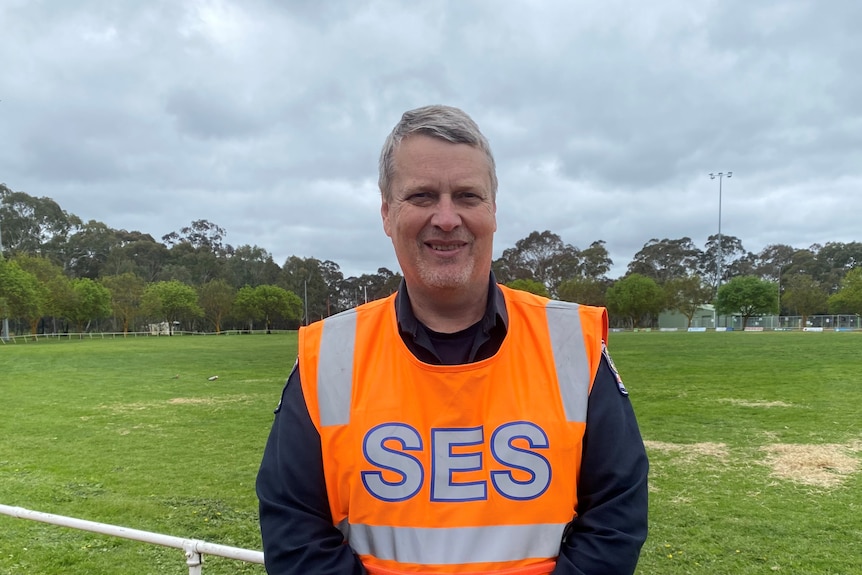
{"x":424,"y":188}
{"x":468,"y":187}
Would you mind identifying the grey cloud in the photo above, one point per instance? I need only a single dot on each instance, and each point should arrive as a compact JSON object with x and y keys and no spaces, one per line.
{"x":212,"y":114}
{"x":605,"y":117}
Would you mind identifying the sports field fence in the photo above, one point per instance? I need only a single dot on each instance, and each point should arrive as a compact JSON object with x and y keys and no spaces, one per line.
{"x":194,"y":549}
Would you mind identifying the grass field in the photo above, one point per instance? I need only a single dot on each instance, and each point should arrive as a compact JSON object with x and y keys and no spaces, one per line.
{"x":754,"y":439}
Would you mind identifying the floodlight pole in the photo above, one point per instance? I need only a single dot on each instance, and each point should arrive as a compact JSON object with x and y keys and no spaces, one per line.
{"x":4,"y":333}
{"x":305,"y":298}
{"x":780,"y":266}
{"x":720,"y":262}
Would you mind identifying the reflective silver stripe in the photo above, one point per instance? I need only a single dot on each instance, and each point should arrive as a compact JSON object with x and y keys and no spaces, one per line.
{"x":344,"y":527}
{"x":457,"y":545}
{"x":335,"y":368}
{"x":570,"y":358}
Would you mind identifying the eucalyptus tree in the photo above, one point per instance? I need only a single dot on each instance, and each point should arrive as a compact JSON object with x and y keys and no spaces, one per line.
{"x":33,"y":225}
{"x":541,"y":256}
{"x":201,"y":264}
{"x":389,"y":282}
{"x":216,"y":300}
{"x":596,"y":262}
{"x":773,"y":261}
{"x":743,"y":265}
{"x":199,"y":248}
{"x":176,"y":272}
{"x":251,"y":265}
{"x":772,"y":264}
{"x":87,"y":250}
{"x":827,"y":263}
{"x":806,"y":262}
{"x":836,"y":259}
{"x":368,"y":287}
{"x":334,"y":280}
{"x":352,"y":289}
{"x":200,"y":235}
{"x":724,"y":257}
{"x":584,"y":290}
{"x":805,"y":296}
{"x":305,"y":277}
{"x":126,"y":289}
{"x":138,"y":253}
{"x":687,"y":295}
{"x":666,"y":259}
{"x":803,"y":261}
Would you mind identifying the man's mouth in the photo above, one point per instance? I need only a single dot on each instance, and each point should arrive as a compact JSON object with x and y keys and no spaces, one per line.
{"x":446,"y":247}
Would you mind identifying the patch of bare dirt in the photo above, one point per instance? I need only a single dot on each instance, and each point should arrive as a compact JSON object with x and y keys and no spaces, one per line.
{"x":193,"y":401}
{"x":691,"y":450}
{"x":139,"y":406}
{"x":208,"y":400}
{"x":764,"y":404}
{"x":127,"y":407}
{"x":825,"y":465}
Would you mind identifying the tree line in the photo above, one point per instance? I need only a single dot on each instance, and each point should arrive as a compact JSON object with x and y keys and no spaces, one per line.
{"x":61,"y":274}
{"x":677,"y":275}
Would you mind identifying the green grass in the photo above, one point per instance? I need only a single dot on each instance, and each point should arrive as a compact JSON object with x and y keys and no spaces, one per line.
{"x":131,"y":432}
{"x":105,"y":430}
{"x":721,"y":510}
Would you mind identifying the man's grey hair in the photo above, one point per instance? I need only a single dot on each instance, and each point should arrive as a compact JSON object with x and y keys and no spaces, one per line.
{"x":443,"y":122}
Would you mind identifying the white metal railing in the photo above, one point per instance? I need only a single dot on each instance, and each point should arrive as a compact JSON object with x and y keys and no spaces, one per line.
{"x":193,"y":548}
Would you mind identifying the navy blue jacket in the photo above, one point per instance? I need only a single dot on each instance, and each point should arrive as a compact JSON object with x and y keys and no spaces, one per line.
{"x":604,"y":539}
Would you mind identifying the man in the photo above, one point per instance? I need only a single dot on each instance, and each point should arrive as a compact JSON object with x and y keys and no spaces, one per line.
{"x":458,"y":426}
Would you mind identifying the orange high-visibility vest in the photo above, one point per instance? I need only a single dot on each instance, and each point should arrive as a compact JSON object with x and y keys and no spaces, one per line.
{"x":468,"y":469}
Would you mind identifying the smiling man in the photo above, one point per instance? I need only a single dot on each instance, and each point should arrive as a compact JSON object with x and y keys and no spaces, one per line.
{"x":457,"y":426}
{"x":439,"y":209}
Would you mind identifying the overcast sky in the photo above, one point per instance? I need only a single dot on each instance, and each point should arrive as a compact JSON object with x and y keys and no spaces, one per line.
{"x":605,"y":117}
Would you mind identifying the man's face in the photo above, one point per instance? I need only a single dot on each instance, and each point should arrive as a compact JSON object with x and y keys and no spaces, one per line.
{"x":441,"y":215}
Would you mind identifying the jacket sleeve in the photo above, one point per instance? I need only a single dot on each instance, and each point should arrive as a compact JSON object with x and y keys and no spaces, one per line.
{"x":606,"y":536}
{"x":295,"y":520}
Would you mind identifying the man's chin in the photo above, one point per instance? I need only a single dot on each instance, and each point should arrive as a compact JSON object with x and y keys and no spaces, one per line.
{"x":445,"y":279}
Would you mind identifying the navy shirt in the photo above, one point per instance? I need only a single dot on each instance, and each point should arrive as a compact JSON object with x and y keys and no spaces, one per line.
{"x":604,"y":538}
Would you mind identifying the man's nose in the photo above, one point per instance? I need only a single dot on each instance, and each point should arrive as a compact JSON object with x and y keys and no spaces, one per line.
{"x":446,"y":216}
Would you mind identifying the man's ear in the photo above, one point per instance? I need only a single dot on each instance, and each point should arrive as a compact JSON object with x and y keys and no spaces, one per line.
{"x":384,"y":213}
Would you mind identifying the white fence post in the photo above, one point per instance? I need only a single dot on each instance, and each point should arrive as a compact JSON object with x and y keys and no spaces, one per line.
{"x":193,"y":559}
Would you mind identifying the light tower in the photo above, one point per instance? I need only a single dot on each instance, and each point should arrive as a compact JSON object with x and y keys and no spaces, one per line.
{"x":4,"y":331}
{"x":720,"y":262}
{"x":720,"y":176}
